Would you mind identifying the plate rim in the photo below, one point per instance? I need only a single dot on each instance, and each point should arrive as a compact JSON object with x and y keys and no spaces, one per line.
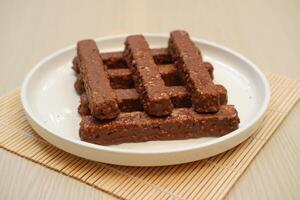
{"x":249,"y":125}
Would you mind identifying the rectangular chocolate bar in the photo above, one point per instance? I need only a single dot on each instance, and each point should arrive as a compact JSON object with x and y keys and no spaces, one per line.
{"x":183,"y":123}
{"x":116,"y":59}
{"x":119,"y":73}
{"x":146,"y":77}
{"x":128,"y":99}
{"x":121,"y":78}
{"x":198,"y":82}
{"x":102,"y":99}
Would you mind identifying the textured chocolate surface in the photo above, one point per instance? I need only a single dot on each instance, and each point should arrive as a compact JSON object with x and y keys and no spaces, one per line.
{"x":120,"y":75}
{"x":133,"y":123}
{"x":198,"y":82}
{"x":183,"y":123}
{"x":146,"y":76}
{"x":102,"y":98}
{"x":128,"y":99}
{"x":116,"y":59}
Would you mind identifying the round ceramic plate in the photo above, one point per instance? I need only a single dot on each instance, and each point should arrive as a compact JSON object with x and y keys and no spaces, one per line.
{"x":50,"y":103}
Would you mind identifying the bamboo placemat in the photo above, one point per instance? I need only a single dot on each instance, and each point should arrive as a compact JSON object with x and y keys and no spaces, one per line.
{"x":206,"y":179}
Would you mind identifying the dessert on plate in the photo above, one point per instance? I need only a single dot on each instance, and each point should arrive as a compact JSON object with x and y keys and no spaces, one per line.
{"x":143,"y":94}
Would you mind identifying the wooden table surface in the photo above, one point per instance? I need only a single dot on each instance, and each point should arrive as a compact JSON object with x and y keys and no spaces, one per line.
{"x":267,"y":32}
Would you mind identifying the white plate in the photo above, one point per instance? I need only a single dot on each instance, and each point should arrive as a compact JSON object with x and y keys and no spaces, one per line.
{"x":50,"y":103}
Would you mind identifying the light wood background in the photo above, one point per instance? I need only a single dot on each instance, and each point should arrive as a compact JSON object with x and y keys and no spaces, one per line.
{"x":267,"y":32}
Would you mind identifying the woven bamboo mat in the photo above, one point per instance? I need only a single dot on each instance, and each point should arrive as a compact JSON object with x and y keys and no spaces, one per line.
{"x":207,"y":179}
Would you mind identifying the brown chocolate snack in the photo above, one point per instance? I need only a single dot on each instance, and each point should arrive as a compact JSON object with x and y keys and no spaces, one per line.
{"x":79,"y":85}
{"x":133,"y":123}
{"x":188,"y":61}
{"x":83,"y":108}
{"x":120,"y":78}
{"x":146,"y":77}
{"x":128,"y":99}
{"x":183,"y":123}
{"x":116,"y":59}
{"x":116,"y":64}
{"x":101,"y":97}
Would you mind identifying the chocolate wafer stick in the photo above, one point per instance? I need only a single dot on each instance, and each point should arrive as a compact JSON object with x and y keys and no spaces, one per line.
{"x":102,"y":99}
{"x":145,"y":74}
{"x":128,"y":99}
{"x":116,"y":59}
{"x":188,"y":61}
{"x":183,"y":123}
{"x":120,"y":78}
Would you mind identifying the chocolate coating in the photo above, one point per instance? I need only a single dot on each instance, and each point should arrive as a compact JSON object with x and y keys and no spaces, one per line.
{"x":198,"y":82}
{"x":146,"y":76}
{"x":126,"y":82}
{"x":102,"y":99}
{"x":183,"y":123}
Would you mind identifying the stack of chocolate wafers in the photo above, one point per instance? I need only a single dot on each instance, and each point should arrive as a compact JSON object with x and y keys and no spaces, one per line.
{"x":144,"y":94}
